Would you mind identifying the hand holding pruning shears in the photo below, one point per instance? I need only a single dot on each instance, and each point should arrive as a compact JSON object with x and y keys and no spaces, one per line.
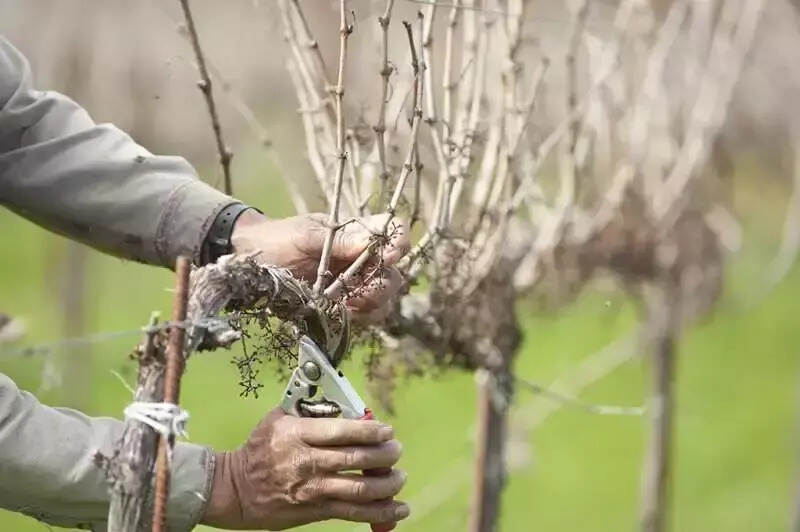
{"x":297,"y":469}
{"x":299,"y":465}
{"x":317,"y":389}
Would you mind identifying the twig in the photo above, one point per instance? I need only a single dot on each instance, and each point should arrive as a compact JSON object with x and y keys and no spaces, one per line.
{"x":448,"y":87}
{"x":571,"y":171}
{"x":470,"y":57}
{"x":489,"y":192}
{"x":491,"y":184}
{"x":467,"y":120}
{"x":309,"y":129}
{"x":418,"y":105}
{"x":386,"y":72}
{"x":653,"y":82}
{"x":204,"y":84}
{"x":320,"y":94}
{"x":172,"y":382}
{"x":311,"y":42}
{"x":437,"y":134}
{"x":261,"y":133}
{"x":457,"y":5}
{"x":415,"y":213}
{"x":315,"y":124}
{"x":333,"y":218}
{"x":334,"y":290}
{"x":731,"y":45}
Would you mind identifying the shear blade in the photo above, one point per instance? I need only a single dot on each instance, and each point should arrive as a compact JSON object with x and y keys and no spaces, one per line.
{"x":332,"y":338}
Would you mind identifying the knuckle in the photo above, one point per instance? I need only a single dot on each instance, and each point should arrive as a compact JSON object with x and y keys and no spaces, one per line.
{"x":299,"y":462}
{"x":294,"y":430}
{"x":311,"y":491}
{"x":358,"y":489}
{"x":351,"y":458}
{"x":333,"y":430}
{"x":295,"y":494}
{"x":302,"y":495}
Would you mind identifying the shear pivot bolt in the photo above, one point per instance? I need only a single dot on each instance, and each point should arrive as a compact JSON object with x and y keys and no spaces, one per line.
{"x":311,"y":371}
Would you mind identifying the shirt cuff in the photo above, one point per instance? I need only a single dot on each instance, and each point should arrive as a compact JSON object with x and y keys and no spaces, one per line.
{"x":190,"y":486}
{"x":190,"y":210}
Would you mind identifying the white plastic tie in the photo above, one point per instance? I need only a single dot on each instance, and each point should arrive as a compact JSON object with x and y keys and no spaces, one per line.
{"x":165,"y":418}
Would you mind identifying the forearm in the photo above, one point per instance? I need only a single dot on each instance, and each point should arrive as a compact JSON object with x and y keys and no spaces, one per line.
{"x":48,"y":470}
{"x":92,"y":182}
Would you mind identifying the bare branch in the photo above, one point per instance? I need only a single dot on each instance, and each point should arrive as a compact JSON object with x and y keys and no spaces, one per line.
{"x":311,"y":43}
{"x":471,"y":100}
{"x":334,"y":290}
{"x":570,"y":169}
{"x":333,"y":218}
{"x":315,"y":120}
{"x":731,"y":43}
{"x":204,"y":84}
{"x":448,"y":86}
{"x":309,"y":128}
{"x":386,"y":71}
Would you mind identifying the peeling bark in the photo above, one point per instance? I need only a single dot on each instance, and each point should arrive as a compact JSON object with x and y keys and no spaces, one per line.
{"x":130,"y":469}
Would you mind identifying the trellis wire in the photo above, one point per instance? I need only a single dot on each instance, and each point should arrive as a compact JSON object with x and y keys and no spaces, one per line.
{"x":105,"y":336}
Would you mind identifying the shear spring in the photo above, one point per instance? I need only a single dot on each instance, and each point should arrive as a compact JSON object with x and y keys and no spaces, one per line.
{"x":318,"y":409}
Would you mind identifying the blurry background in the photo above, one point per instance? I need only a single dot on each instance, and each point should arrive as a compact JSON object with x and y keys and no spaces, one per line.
{"x":127,"y":63}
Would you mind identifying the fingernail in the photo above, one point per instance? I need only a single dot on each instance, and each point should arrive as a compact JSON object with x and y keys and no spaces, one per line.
{"x":402,"y":511}
{"x":386,"y":433}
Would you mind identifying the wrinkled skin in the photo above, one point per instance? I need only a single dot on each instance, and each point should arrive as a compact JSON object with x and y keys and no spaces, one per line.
{"x":293,"y":471}
{"x":296,"y":243}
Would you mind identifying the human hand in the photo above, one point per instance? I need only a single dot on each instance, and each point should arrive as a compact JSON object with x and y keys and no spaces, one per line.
{"x":296,"y":243}
{"x":293,"y":471}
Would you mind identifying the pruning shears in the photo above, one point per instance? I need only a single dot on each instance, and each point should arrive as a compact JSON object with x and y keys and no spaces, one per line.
{"x":318,"y":389}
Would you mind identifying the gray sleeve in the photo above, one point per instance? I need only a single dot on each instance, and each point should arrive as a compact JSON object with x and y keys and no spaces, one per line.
{"x":92,"y":182}
{"x":47,"y":467}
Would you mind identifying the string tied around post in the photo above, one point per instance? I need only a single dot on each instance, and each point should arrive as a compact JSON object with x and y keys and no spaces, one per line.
{"x":165,"y":418}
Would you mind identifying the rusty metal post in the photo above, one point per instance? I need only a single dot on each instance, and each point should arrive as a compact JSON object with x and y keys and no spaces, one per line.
{"x":172,"y":385}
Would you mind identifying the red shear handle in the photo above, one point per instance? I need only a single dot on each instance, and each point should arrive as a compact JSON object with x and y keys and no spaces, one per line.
{"x":379,"y":472}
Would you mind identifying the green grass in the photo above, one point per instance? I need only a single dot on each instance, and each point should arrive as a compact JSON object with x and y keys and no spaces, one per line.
{"x":737,"y":391}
